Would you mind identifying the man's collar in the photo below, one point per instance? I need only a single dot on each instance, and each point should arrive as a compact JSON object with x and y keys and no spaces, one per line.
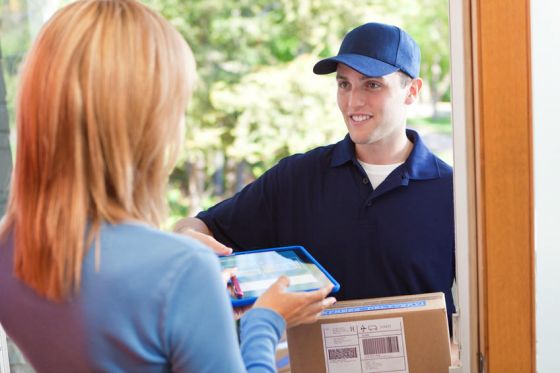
{"x":343,"y":152}
{"x":420,"y":164}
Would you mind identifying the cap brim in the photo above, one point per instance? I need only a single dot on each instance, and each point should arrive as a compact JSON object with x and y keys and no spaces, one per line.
{"x":364,"y":65}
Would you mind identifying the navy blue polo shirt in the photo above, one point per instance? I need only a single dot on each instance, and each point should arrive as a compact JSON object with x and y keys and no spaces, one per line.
{"x":395,"y":240}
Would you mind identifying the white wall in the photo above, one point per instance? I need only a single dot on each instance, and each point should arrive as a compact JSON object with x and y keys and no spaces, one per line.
{"x":545,"y":40}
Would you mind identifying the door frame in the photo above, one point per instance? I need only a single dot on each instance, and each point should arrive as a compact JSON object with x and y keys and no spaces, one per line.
{"x":503,"y":183}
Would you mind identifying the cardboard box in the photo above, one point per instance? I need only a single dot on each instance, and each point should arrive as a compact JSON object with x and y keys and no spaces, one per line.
{"x":394,"y":334}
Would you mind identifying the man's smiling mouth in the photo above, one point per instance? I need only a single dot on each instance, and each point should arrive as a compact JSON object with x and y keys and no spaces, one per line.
{"x":360,"y":117}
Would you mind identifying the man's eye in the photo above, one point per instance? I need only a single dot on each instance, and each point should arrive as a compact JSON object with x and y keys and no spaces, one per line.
{"x":343,"y":84}
{"x":373,"y":85}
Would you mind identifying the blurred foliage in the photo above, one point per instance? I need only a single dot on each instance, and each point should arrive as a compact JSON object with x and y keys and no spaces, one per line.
{"x":257,"y":99}
{"x":14,"y":41}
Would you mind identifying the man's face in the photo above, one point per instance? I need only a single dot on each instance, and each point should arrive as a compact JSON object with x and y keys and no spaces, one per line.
{"x":374,"y":109}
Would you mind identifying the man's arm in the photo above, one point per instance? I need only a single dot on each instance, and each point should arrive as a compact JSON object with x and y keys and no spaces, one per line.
{"x":194,"y":224}
{"x":197,"y":229}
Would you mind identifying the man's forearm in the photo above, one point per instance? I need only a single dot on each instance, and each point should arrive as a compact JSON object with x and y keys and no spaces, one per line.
{"x":197,"y":229}
{"x":194,"y":224}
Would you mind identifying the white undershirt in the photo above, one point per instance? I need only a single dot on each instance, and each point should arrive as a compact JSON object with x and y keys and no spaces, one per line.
{"x":378,"y":172}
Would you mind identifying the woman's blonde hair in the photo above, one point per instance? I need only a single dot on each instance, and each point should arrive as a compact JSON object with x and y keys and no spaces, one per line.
{"x":102,"y":97}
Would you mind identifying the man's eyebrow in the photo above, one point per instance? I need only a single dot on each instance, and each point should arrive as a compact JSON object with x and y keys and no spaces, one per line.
{"x":342,"y":77}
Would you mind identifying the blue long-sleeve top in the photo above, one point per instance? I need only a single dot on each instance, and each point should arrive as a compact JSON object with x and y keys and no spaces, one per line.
{"x":157,"y":303}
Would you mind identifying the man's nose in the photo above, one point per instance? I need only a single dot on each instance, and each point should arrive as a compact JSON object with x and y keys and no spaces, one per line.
{"x":356,"y":98}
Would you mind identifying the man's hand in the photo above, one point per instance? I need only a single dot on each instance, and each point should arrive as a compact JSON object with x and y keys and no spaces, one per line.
{"x":209,"y":241}
{"x":197,"y":229}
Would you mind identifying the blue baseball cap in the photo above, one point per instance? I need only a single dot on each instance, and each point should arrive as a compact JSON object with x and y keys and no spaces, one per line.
{"x":374,"y":50}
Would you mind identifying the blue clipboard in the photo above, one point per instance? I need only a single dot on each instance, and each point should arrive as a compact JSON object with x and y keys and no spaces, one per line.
{"x":258,"y":269}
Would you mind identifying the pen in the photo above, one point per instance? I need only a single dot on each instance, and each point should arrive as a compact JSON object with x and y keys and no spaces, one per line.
{"x":236,"y":287}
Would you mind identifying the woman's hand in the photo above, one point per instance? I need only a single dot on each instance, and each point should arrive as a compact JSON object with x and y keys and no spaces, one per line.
{"x":295,"y":307}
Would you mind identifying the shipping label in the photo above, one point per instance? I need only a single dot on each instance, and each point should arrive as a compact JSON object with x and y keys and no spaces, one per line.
{"x":365,"y":346}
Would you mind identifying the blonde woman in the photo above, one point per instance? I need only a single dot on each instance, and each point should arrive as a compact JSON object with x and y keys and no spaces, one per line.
{"x":87,"y":281}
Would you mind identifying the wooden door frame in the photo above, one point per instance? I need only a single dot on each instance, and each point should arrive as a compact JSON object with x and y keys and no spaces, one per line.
{"x":501,"y":61}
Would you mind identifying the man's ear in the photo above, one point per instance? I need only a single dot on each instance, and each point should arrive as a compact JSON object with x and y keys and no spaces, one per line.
{"x":413,"y":91}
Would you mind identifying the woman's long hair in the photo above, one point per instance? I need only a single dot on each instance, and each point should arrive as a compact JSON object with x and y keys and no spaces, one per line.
{"x":99,"y":124}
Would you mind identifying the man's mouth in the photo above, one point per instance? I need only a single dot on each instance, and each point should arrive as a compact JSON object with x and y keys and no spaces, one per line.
{"x":360,"y":117}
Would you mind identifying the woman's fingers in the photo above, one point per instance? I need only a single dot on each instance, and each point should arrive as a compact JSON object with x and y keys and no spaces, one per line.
{"x":316,"y":308}
{"x":295,"y":307}
{"x":282,"y":283}
{"x":311,"y":307}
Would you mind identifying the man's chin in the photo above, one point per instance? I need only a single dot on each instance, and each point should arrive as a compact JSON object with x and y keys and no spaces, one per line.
{"x":360,"y":139}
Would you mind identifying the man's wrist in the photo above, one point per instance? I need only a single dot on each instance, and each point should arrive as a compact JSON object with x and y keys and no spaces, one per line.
{"x":182,"y":226}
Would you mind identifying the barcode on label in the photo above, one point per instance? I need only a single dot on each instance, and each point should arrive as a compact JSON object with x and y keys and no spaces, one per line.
{"x":383,"y":345}
{"x":343,"y":353}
